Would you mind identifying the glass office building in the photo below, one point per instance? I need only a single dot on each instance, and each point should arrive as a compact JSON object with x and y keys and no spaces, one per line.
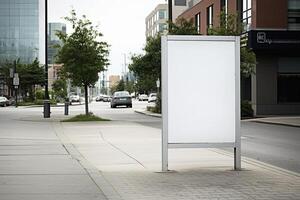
{"x":21,"y":30}
{"x":53,"y":40}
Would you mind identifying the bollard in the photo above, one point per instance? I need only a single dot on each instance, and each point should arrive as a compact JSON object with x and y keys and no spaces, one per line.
{"x":66,"y":108}
{"x":47,"y":109}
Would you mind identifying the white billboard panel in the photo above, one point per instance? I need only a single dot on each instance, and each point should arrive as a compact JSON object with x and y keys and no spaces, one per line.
{"x":200,"y":94}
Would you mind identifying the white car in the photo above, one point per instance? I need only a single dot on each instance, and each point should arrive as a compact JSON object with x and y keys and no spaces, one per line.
{"x":4,"y":101}
{"x":152,"y":97}
{"x":143,"y":97}
{"x":74,"y":98}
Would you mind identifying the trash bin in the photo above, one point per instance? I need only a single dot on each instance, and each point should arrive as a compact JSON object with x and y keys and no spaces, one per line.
{"x":47,"y":109}
{"x":66,"y":107}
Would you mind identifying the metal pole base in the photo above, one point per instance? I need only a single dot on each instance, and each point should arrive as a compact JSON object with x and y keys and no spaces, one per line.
{"x":47,"y":109}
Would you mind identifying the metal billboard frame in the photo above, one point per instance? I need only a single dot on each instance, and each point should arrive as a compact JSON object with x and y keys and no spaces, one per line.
{"x":164,"y":86}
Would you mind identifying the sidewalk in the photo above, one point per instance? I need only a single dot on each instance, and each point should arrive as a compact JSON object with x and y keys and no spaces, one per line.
{"x":128,"y":158}
{"x":122,"y":160}
{"x":34,"y":165}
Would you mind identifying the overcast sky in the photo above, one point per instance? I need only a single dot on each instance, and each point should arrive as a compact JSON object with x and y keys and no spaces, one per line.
{"x":121,"y":21}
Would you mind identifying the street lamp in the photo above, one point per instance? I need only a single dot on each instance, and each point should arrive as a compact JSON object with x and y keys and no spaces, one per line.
{"x":170,"y":10}
{"x":46,"y":101}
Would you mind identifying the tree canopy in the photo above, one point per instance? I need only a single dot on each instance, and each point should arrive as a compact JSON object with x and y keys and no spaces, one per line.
{"x":82,"y":54}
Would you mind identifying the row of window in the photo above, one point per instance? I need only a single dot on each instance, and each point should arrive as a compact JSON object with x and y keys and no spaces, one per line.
{"x":159,"y":28}
{"x":294,"y":15}
{"x":246,"y":13}
{"x":159,"y":15}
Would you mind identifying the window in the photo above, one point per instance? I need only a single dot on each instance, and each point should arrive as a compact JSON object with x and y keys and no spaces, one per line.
{"x":246,"y":14}
{"x":180,"y":2}
{"x":288,"y":88}
{"x":224,"y":6}
{"x":162,"y":14}
{"x":294,"y":15}
{"x":209,"y":14}
{"x":198,"y":22}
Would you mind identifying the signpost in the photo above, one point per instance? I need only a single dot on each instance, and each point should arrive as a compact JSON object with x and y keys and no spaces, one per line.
{"x":16,"y":83}
{"x":207,"y":69}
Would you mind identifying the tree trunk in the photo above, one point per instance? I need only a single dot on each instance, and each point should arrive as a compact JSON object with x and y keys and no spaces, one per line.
{"x":86,"y":99}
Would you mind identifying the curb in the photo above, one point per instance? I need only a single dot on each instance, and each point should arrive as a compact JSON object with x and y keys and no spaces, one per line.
{"x":109,"y":192}
{"x":148,"y":113}
{"x":277,"y":123}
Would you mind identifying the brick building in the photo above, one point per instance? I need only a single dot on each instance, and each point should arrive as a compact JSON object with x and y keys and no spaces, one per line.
{"x":273,"y":33}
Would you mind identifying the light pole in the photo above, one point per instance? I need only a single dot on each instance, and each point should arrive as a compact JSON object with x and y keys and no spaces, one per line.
{"x":46,"y":101}
{"x":157,"y":85}
{"x":170,"y":10}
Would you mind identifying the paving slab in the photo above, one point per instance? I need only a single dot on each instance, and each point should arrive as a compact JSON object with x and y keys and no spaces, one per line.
{"x":196,"y":173}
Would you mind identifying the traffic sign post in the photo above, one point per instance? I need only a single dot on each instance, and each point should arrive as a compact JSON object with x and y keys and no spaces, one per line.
{"x":16,"y":83}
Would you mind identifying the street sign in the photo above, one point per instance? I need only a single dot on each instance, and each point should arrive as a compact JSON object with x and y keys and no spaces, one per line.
{"x":16,"y":81}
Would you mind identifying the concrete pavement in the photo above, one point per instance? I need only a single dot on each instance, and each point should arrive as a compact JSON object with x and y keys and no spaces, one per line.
{"x":121,"y":160}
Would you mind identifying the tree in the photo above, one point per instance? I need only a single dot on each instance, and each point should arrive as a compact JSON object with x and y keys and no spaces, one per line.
{"x":82,"y":55}
{"x":60,"y":89}
{"x":29,"y":75}
{"x":230,"y":25}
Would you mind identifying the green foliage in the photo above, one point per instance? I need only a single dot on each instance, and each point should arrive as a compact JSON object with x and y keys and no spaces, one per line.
{"x":183,"y":27}
{"x":129,"y":86}
{"x":82,"y":54}
{"x":60,"y":89}
{"x":120,"y":86}
{"x":39,"y":94}
{"x":85,"y":118}
{"x":30,"y":75}
{"x":246,"y":109}
{"x":229,"y":25}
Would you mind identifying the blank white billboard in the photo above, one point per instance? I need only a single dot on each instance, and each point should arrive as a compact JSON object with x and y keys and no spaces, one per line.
{"x":200,"y":89}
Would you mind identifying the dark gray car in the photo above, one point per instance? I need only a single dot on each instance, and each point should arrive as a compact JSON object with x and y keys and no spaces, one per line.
{"x":121,"y":98}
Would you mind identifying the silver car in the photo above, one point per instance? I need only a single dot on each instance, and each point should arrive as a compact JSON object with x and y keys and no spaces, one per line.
{"x":4,"y":101}
{"x":121,"y":98}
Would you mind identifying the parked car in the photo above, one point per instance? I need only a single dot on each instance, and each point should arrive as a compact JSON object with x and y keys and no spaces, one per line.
{"x":106,"y":98}
{"x":74,"y":98}
{"x":143,"y":97}
{"x":121,"y":98}
{"x":99,"y":98}
{"x":152,"y":97}
{"x":4,"y":101}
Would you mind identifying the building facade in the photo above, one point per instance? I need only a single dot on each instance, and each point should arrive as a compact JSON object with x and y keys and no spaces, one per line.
{"x":156,"y":21}
{"x":178,"y":7}
{"x":21,"y":29}
{"x":21,"y":33}
{"x":53,"y":39}
{"x":272,"y":31}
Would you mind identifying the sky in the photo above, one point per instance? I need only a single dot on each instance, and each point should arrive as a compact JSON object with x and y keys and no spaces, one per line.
{"x":122,"y":22}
